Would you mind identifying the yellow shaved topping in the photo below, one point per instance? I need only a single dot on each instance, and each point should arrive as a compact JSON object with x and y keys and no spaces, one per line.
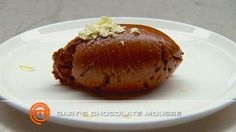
{"x":104,"y":28}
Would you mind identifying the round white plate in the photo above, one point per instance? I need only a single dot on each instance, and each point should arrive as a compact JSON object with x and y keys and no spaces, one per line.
{"x":204,"y":83}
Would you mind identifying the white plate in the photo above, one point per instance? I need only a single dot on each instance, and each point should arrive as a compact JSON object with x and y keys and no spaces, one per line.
{"x":204,"y":83}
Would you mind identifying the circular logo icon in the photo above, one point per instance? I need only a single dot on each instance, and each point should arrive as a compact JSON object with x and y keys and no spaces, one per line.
{"x":39,"y":113}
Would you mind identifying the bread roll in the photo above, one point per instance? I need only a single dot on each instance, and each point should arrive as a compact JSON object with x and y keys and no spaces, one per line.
{"x":130,"y":62}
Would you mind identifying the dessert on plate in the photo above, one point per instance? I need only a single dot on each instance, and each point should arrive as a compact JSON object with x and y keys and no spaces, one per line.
{"x":117,"y":58}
